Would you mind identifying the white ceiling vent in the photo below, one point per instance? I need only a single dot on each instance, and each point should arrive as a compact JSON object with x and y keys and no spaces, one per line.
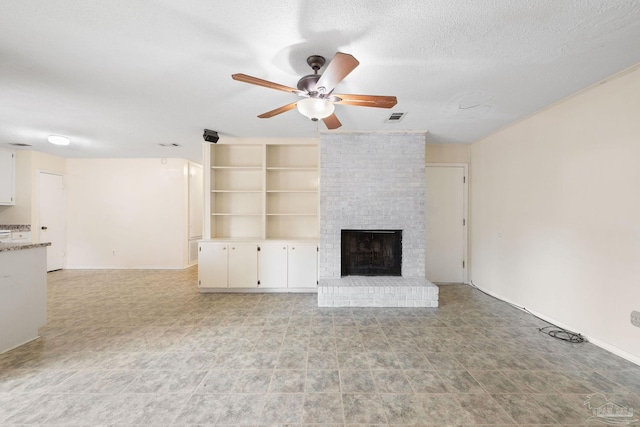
{"x":395,"y":117}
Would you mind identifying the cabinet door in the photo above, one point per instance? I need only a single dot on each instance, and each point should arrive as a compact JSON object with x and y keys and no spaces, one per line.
{"x":212,"y":265}
{"x":243,"y":265}
{"x":272,"y":265}
{"x":7,"y":177}
{"x":303,"y":265}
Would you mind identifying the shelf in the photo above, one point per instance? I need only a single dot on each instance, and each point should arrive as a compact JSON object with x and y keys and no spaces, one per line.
{"x":293,"y":169}
{"x":234,"y":179}
{"x":237,"y":203}
{"x":292,"y":179}
{"x":236,"y":226}
{"x":291,"y":214}
{"x":237,"y":157}
{"x":238,"y":168}
{"x":292,"y":156}
{"x":238,"y":191}
{"x":262,"y":191}
{"x":293,"y":191}
{"x":292,"y":226}
{"x":235,"y":214}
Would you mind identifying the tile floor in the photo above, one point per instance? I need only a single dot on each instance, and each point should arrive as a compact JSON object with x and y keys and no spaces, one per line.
{"x":145,"y":348}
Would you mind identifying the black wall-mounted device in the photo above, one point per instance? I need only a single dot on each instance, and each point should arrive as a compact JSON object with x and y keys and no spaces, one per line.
{"x":210,"y":136}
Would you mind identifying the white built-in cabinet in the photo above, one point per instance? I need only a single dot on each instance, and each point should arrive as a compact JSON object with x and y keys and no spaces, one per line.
{"x":287,"y":266}
{"x":261,"y":207}
{"x":7,"y":177}
{"x":243,"y":265}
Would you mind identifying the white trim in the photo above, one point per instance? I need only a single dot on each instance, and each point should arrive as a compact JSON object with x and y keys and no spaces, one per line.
{"x":465,"y":209}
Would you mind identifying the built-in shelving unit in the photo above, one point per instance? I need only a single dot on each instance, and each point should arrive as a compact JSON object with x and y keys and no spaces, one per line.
{"x":262,"y":190}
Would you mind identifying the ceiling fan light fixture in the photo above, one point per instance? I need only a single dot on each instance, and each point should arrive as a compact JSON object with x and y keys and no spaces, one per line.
{"x":58,"y":140}
{"x":315,"y":108}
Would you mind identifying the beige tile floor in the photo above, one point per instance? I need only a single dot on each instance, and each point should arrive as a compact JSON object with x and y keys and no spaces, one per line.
{"x":145,"y":348}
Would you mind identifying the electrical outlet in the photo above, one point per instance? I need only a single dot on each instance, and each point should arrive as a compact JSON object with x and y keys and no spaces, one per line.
{"x":635,"y":318}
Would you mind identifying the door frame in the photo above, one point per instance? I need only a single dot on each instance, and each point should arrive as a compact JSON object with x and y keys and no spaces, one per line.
{"x":465,"y":213}
{"x":38,"y":216}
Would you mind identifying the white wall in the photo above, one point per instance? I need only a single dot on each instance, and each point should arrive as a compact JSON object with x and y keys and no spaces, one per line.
{"x":447,"y":153}
{"x":28,"y":165}
{"x":137,"y":207}
{"x":555,"y":213}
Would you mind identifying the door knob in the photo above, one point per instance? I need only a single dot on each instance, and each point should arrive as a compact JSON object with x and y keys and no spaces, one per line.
{"x":43,"y":228}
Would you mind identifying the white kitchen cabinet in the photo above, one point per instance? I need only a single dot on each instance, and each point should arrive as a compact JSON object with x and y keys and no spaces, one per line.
{"x":243,"y":265}
{"x":272,"y":265}
{"x":302,"y":265}
{"x":20,"y":236}
{"x":213,"y":268}
{"x":7,"y":177}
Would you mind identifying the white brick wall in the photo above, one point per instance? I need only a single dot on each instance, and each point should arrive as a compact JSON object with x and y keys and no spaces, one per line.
{"x":372,"y":181}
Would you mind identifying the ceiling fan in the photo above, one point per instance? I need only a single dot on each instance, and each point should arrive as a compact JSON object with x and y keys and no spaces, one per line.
{"x":317,"y":90}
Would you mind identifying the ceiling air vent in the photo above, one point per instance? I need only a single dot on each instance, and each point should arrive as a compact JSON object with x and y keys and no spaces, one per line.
{"x":173,"y":144}
{"x":395,"y":117}
{"x":20,"y":144}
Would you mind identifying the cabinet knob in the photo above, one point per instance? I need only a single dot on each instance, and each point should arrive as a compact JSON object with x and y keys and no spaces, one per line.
{"x":43,"y":228}
{"x":293,"y":248}
{"x":233,"y":248}
{"x":284,"y":247}
{"x":224,"y":248}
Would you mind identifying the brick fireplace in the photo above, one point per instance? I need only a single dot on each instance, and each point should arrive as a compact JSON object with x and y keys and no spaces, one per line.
{"x":373,"y":182}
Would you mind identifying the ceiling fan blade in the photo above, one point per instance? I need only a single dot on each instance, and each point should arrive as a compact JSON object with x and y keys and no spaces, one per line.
{"x":264,"y":83}
{"x":278,"y":110}
{"x":366,"y":100}
{"x":332,"y":122}
{"x":339,"y":67}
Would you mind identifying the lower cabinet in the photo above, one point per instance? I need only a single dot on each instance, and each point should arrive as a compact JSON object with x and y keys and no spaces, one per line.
{"x":272,"y":265}
{"x":243,"y":265}
{"x":302,"y":271}
{"x":213,"y":264}
{"x":227,"y":265}
{"x":262,"y":265}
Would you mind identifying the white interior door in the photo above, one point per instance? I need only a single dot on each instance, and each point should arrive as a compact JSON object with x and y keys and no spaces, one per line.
{"x":446,"y":224}
{"x":51,"y":218}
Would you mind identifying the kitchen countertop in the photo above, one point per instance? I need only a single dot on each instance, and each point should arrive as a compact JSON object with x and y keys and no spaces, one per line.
{"x":6,"y":247}
{"x":15,"y":227}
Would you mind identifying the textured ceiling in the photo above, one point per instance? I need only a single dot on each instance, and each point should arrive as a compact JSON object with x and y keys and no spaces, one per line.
{"x":120,"y":77}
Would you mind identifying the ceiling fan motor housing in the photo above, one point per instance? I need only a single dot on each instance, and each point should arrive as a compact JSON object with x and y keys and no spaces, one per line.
{"x":308,"y":83}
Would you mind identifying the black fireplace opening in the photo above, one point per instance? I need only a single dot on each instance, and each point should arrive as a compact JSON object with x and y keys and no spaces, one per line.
{"x":371,"y":253}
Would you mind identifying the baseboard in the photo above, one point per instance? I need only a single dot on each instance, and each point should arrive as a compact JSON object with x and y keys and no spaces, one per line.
{"x":259,"y":290}
{"x":595,"y":341}
{"x":19,"y":345}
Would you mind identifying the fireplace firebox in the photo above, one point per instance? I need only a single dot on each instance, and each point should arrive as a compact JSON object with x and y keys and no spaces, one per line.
{"x":371,"y":253}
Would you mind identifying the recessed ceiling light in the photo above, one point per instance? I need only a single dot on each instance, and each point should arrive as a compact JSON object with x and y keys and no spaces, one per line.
{"x":58,"y":140}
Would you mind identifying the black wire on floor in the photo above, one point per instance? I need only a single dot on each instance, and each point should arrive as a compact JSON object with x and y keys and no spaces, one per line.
{"x":562,"y":334}
{"x":557,"y":333}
